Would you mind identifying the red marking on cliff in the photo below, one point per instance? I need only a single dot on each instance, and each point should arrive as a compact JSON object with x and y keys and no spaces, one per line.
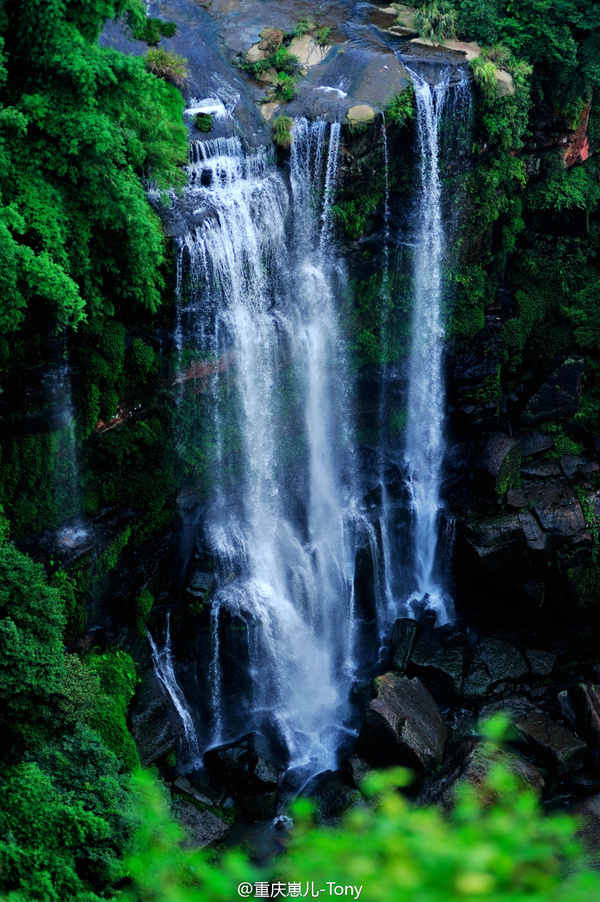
{"x":200,"y":369}
{"x":579,"y":146}
{"x":124,"y":411}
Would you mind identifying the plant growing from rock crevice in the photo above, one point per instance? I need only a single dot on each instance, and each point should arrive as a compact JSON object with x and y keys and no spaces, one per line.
{"x":282,"y":132}
{"x":167,"y":65}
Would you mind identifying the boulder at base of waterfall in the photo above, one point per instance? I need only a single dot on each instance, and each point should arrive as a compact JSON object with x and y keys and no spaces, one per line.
{"x":438,"y":666}
{"x":404,"y":636}
{"x":402,"y":726}
{"x":332,"y":796}
{"x":477,"y":766}
{"x":202,"y":828}
{"x":588,"y":813}
{"x":244,"y":765}
{"x":493,"y":662}
{"x":155,"y":724}
{"x":356,"y":769}
{"x":553,"y":744}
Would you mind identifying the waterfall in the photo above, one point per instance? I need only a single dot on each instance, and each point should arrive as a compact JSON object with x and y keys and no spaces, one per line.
{"x":424,"y":446}
{"x":258,"y":281}
{"x":162,"y":660}
{"x":67,"y":489}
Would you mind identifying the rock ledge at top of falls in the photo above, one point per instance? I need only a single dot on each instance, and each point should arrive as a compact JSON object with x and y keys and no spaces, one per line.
{"x":402,"y":726}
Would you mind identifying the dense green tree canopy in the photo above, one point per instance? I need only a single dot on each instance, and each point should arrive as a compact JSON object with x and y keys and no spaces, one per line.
{"x":79,"y":124}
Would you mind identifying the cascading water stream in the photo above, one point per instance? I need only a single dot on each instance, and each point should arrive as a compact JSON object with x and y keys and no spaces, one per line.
{"x":263,"y":274}
{"x":424,"y":446}
{"x":162,"y":660}
{"x":67,"y":489}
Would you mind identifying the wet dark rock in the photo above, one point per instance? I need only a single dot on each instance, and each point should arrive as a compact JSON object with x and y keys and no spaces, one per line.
{"x":404,"y":637}
{"x":468,"y":762}
{"x":541,"y":662}
{"x":183,"y":785}
{"x":356,"y":769}
{"x":488,"y":535}
{"x":202,"y":581}
{"x":516,"y":498}
{"x":559,"y":396}
{"x":478,"y":763}
{"x":567,"y":707}
{"x":203,"y":828}
{"x":541,"y":469}
{"x":437,"y":665}
{"x":244,"y":765}
{"x":402,"y":725}
{"x":559,"y":512}
{"x":155,"y":724}
{"x":502,"y":661}
{"x":535,"y":538}
{"x":554,"y":745}
{"x":588,"y":699}
{"x":261,"y":807}
{"x":534,"y":443}
{"x":572,"y":464}
{"x":477,"y":682}
{"x":498,"y":464}
{"x":361,"y":694}
{"x":332,"y":796}
{"x":493,"y":662}
{"x":589,"y":830}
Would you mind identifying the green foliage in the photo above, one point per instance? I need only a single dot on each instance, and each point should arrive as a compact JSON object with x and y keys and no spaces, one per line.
{"x":401,"y":108}
{"x":168,"y":65}
{"x":78,"y":124}
{"x":503,"y":117}
{"x":436,"y":21}
{"x":282,"y":60}
{"x":203,"y":122}
{"x":494,"y":844}
{"x":470,"y":299}
{"x":135,"y":462}
{"x":560,"y":40}
{"x":31,"y":624}
{"x":285,"y":87}
{"x":143,"y":358}
{"x":573,"y":189}
{"x":379,"y":320}
{"x":282,"y":131}
{"x":562,"y":443}
{"x":74,"y":608}
{"x":154,"y":29}
{"x":303,"y":27}
{"x":323,"y":35}
{"x":354,"y":214}
{"x":64,"y":824}
{"x":117,"y":680}
{"x":143,"y":608}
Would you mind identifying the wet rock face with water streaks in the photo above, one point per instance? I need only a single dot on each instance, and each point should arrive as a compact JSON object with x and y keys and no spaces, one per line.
{"x":155,"y":724}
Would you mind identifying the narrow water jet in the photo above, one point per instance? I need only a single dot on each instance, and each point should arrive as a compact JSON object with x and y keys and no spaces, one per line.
{"x":424,"y":443}
{"x":162,"y":661}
